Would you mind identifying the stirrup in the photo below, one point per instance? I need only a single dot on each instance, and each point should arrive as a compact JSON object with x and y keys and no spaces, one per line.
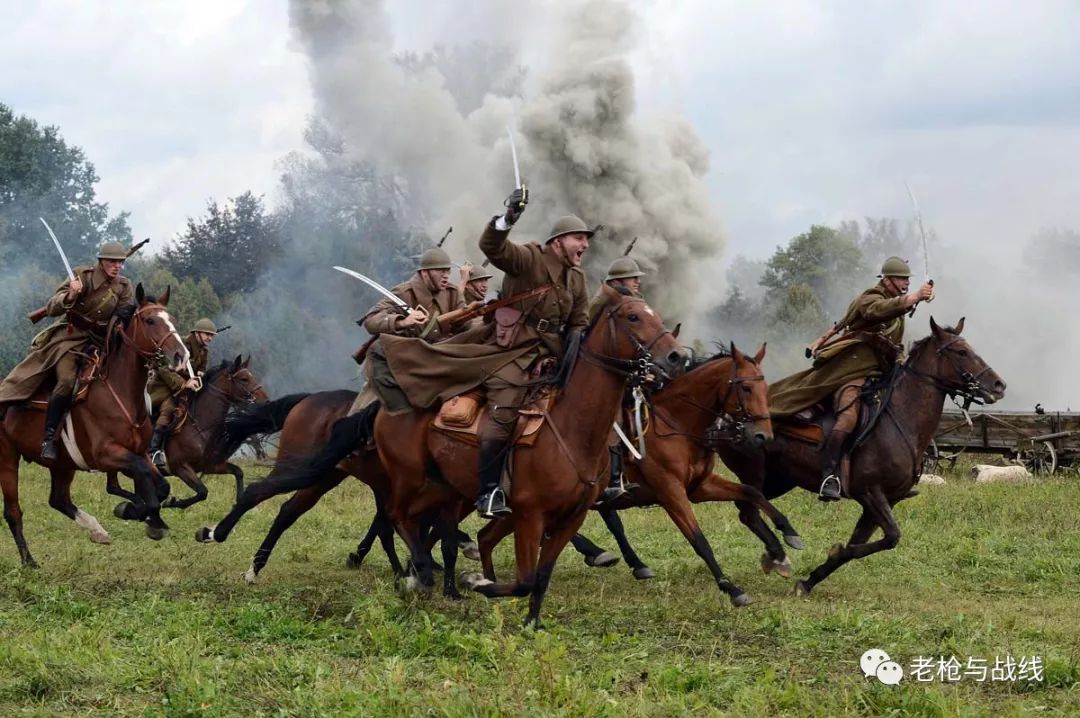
{"x":830,"y":489}
{"x":488,"y":509}
{"x":159,"y":459}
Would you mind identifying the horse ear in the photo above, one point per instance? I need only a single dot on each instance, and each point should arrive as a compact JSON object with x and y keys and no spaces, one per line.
{"x":960,"y":325}
{"x":237,"y":363}
{"x":163,"y":300}
{"x":140,"y":294}
{"x":760,"y":353}
{"x":675,"y":332}
{"x":934,"y":327}
{"x":246,"y":362}
{"x":735,"y":353}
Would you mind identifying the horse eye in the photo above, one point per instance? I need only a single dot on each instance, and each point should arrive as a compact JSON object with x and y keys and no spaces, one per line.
{"x":633,"y":317}
{"x":150,"y":321}
{"x":963,"y":353}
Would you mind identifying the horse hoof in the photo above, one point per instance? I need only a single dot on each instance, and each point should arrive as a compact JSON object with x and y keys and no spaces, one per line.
{"x":353,"y":561}
{"x":644,"y":573}
{"x":251,"y":575}
{"x":802,"y":588}
{"x":124,"y":510}
{"x":204,"y":535}
{"x":412,"y":584}
{"x":101,"y":537}
{"x":605,"y":559}
{"x":472,"y":580}
{"x":835,"y":549}
{"x":769,"y":564}
{"x":453,"y":595}
{"x":470,"y":551}
{"x":155,"y":533}
{"x":794,"y":541}
{"x":742,"y":599}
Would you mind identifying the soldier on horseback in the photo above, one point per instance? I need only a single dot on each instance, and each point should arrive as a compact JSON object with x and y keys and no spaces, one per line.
{"x":474,"y":283}
{"x":172,"y":389}
{"x":624,"y":273}
{"x":867,"y":343}
{"x":86,"y":303}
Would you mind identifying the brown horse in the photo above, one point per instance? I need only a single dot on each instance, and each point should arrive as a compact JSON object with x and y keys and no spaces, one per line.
{"x":885,"y":466}
{"x":306,"y":423}
{"x":677,"y":467}
{"x":433,"y":476}
{"x":111,"y":426}
{"x":193,"y":448}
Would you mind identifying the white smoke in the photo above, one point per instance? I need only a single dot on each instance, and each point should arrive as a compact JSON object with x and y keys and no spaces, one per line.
{"x":583,"y":146}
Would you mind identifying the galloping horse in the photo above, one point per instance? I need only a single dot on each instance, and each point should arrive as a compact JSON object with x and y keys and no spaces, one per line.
{"x":111,"y":426}
{"x":885,"y":467}
{"x":677,"y":467}
{"x":193,"y":448}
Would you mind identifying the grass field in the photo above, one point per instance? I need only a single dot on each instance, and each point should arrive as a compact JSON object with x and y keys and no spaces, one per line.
{"x":144,"y":628}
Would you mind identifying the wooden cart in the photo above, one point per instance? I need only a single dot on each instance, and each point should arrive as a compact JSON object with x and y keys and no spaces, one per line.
{"x":1043,"y":441}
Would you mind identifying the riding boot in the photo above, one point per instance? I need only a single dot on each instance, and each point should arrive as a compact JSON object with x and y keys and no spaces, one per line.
{"x":54,"y":414}
{"x":157,"y":453}
{"x":491,"y":503}
{"x":617,"y":486}
{"x":832,"y":455}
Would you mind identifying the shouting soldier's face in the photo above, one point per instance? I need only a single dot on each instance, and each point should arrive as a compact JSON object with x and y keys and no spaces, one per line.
{"x":437,"y":279}
{"x":111,"y":267}
{"x":899,"y":285}
{"x":571,"y":247}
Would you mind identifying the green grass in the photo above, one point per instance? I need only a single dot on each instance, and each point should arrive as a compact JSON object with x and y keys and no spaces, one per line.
{"x":169,"y":628}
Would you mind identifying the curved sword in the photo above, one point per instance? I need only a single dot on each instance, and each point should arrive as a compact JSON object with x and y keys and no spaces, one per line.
{"x":513,"y":155}
{"x":626,"y":441}
{"x":67,"y":265}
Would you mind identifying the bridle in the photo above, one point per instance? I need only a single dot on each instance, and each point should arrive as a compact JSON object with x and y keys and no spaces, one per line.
{"x":637,"y":370}
{"x":969,"y":388}
{"x":250,"y":395}
{"x":155,"y":355}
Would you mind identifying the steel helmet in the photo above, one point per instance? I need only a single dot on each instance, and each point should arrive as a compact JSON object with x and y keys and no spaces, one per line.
{"x":570,"y":224}
{"x":434,"y":258}
{"x":623,"y":268}
{"x":895,"y":267}
{"x":112,"y":250}
{"x":204,"y":325}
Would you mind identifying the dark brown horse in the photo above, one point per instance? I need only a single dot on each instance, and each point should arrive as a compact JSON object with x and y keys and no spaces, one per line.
{"x":554,"y":480}
{"x":885,"y":466}
{"x":677,"y":468}
{"x":192,"y":449}
{"x":111,"y":426}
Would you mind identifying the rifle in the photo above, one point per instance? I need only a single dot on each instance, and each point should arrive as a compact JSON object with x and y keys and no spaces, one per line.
{"x":41,"y":312}
{"x":630,"y":247}
{"x":445,"y":236}
{"x":823,"y":339}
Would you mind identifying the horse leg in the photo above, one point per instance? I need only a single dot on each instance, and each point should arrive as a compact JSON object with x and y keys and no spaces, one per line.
{"x":112,"y":486}
{"x":749,"y":500}
{"x":238,"y":475}
{"x":615,"y":526}
{"x":297,"y":505}
{"x":411,"y":532}
{"x":528,"y":530}
{"x":60,"y":499}
{"x":356,"y":558}
{"x":672,"y":497}
{"x":147,"y":480}
{"x":549,"y":554}
{"x":253,"y":495}
{"x":448,"y":532}
{"x":488,"y":538}
{"x":9,"y":482}
{"x":876,"y":512}
{"x":189,"y":477}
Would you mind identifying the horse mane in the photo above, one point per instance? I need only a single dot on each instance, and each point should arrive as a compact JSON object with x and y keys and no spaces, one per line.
{"x":721,"y":353}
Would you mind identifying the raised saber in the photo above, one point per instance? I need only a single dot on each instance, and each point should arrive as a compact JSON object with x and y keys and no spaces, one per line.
{"x":377,"y":287}
{"x":67,"y":265}
{"x":922,"y":235}
{"x":513,"y":155}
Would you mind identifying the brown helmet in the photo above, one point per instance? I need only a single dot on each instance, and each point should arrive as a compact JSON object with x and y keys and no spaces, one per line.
{"x":623,"y":268}
{"x":480,"y":273}
{"x":434,"y":258}
{"x":895,"y":267}
{"x":570,"y":224}
{"x":204,"y":325}
{"x":112,"y":250}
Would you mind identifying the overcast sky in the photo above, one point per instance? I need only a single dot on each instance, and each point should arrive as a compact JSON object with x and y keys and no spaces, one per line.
{"x":814,"y":112}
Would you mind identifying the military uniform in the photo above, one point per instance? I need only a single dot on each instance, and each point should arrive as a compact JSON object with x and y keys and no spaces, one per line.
{"x":470,"y":293}
{"x":83,"y":321}
{"x":871,"y":344}
{"x":166,"y":387}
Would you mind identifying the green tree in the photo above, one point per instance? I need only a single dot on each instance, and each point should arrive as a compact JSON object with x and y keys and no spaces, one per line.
{"x":42,"y":176}
{"x":823,"y":262}
{"x":230,"y":246}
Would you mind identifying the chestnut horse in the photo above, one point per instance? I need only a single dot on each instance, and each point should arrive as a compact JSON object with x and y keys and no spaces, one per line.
{"x":885,"y":466}
{"x":111,"y":426}
{"x":192,"y":449}
{"x":677,"y":467}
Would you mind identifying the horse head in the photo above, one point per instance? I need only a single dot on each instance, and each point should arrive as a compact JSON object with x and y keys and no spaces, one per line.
{"x":628,"y":329}
{"x":151,"y":331}
{"x":243,"y":387}
{"x":957,"y":369}
{"x":745,"y":396}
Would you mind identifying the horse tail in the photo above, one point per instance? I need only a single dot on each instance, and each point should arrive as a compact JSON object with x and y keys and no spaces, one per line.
{"x":264,"y":418}
{"x":346,"y":436}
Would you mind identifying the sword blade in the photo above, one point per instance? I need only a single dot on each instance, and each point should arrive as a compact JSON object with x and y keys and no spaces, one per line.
{"x":67,"y":264}
{"x":513,"y":154}
{"x":922,"y":232}
{"x":374,"y":285}
{"x":626,"y":440}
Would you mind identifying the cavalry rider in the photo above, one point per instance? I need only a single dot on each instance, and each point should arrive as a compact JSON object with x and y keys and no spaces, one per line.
{"x":474,"y":283}
{"x":170,"y":389}
{"x":540,"y":328}
{"x":868,"y":344}
{"x":624,"y":273}
{"x":85,"y":304}
{"x":429,"y":294}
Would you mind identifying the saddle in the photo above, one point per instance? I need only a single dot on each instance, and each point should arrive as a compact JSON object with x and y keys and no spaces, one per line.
{"x":814,"y":424}
{"x":90,"y":364}
{"x":460,"y":418}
